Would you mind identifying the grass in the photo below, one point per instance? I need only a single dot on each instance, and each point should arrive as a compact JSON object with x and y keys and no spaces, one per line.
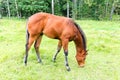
{"x":102,"y":63}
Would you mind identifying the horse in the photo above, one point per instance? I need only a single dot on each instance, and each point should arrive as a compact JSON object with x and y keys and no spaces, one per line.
{"x":55,"y":27}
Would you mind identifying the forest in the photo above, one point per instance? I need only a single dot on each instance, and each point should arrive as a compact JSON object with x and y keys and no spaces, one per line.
{"x":76,"y":9}
{"x":100,"y":21}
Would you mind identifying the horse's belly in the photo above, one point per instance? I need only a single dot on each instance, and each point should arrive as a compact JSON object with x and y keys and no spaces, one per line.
{"x":51,"y":34}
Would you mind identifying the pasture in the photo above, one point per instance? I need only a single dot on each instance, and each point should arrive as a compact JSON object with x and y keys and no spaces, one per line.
{"x":102,"y":62}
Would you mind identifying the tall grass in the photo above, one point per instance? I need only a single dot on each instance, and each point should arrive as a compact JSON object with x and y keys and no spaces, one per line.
{"x":102,"y":62}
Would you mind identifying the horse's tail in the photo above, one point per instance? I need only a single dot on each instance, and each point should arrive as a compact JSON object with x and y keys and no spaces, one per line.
{"x":26,"y":46}
{"x":27,"y":34}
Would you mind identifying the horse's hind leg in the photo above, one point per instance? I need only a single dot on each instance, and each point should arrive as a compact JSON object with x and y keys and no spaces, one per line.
{"x":58,"y":50}
{"x":29,"y":42}
{"x":36,"y":46}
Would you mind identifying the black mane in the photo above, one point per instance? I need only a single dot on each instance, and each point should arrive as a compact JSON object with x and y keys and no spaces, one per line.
{"x":82,"y":34}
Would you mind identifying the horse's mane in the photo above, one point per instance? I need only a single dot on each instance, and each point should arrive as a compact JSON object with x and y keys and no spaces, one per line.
{"x":82,"y":34}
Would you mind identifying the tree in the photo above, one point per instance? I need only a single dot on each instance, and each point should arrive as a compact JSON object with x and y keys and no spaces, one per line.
{"x":17,"y":9}
{"x":106,"y":7}
{"x":52,"y":6}
{"x":28,"y":7}
{"x":68,"y":8}
{"x":0,"y":10}
{"x":114,"y":6}
{"x":74,"y":9}
{"x":8,"y":7}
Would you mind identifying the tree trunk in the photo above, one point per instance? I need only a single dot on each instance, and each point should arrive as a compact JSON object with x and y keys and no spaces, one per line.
{"x":80,"y":7}
{"x":17,"y":9}
{"x":52,"y":6}
{"x":8,"y":7}
{"x":68,"y":8}
{"x":106,"y":8}
{"x":74,"y":9}
{"x":0,"y":13}
{"x":112,"y":10}
{"x":0,"y":16}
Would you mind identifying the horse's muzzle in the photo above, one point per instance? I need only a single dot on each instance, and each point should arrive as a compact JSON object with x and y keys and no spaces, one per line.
{"x":81,"y":65}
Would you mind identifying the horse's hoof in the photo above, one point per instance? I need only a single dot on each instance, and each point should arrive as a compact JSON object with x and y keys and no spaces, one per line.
{"x":40,"y":62}
{"x":54,"y":60}
{"x":68,"y":69}
{"x":25,"y":64}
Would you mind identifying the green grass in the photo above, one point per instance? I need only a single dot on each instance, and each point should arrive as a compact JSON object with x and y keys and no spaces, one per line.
{"x":102,"y":62}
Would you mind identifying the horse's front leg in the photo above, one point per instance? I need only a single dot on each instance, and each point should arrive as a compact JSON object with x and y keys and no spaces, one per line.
{"x":58,"y":50}
{"x":65,"y":47}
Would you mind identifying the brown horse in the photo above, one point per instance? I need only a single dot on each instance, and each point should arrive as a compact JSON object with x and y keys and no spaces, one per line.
{"x":56,"y":27}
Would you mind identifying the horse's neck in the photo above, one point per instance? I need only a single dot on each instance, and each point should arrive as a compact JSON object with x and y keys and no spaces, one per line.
{"x":79,"y":43}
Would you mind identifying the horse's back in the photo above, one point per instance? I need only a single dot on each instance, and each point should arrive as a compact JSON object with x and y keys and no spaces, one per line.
{"x":51,"y":25}
{"x":58,"y":27}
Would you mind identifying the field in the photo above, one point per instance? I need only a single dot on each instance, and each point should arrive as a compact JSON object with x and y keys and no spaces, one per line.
{"x":102,"y":62}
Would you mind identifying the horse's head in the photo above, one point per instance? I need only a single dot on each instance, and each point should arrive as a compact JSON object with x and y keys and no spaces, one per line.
{"x":80,"y":57}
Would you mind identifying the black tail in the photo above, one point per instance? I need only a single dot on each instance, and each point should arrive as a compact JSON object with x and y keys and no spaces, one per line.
{"x":26,"y":46}
{"x":27,"y":36}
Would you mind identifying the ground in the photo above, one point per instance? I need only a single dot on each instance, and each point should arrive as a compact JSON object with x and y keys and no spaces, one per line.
{"x":102,"y":62}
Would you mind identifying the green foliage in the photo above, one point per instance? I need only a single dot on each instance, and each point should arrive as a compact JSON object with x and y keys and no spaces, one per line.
{"x":29,"y":7}
{"x":102,"y":62}
{"x":94,"y":9}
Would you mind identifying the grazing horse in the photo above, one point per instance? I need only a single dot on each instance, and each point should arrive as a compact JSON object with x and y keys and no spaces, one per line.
{"x":56,"y":27}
